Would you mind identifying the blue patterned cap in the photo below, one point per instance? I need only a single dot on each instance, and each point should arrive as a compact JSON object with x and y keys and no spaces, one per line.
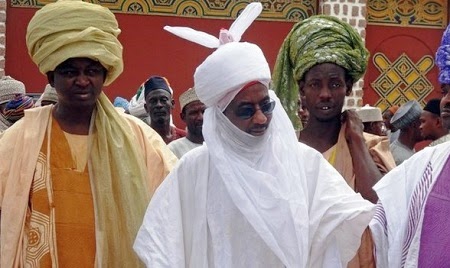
{"x":406,"y":115}
{"x":443,"y":58}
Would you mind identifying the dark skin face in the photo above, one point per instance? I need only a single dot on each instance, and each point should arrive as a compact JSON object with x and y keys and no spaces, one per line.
{"x":445,"y":105}
{"x":159,"y":105}
{"x":255,"y":96}
{"x":192,"y":115}
{"x":324,"y":88}
{"x":78,"y":82}
{"x":376,"y":128}
{"x":302,"y":111}
{"x":387,"y":115}
{"x":429,"y":125}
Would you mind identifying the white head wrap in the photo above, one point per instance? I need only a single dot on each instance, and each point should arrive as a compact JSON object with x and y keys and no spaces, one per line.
{"x":245,"y":163}
{"x":222,"y":75}
{"x":137,"y":103}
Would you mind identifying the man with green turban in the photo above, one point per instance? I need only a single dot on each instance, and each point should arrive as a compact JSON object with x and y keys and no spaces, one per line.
{"x":76,"y":176}
{"x":322,"y":57}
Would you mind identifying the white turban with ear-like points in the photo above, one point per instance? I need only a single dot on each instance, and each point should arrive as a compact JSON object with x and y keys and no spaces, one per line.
{"x":234,"y":64}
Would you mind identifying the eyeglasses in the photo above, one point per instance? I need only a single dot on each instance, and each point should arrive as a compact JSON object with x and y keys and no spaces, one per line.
{"x":247,"y":111}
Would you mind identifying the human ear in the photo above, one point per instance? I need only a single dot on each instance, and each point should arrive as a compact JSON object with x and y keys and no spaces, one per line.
{"x":349,"y":86}
{"x":51,"y":78}
{"x":301,"y":85}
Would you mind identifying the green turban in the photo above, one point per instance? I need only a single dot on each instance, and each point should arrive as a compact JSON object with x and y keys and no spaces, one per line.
{"x":75,"y":29}
{"x":318,"y":39}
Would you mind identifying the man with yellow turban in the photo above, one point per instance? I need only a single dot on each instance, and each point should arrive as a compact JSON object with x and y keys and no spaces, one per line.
{"x":322,"y":57}
{"x":76,"y":177}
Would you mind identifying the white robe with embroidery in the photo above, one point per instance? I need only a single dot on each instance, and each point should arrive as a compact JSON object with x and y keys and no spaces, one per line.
{"x":397,"y":224}
{"x":245,"y":201}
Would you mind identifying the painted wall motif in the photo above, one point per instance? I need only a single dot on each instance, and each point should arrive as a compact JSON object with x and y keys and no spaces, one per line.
{"x":401,"y":66}
{"x":282,"y":10}
{"x":402,"y":80}
{"x":408,"y":13}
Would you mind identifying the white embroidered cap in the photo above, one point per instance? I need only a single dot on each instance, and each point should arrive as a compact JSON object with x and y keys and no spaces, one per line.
{"x":220,"y":77}
{"x":368,"y":113}
{"x":187,"y":97}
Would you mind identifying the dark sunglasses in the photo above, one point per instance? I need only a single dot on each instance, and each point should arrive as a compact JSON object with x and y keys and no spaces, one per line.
{"x":247,"y":111}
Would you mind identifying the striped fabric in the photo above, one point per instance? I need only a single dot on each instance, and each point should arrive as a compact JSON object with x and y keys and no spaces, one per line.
{"x":15,"y":108}
{"x":417,"y":203}
{"x":380,"y":217}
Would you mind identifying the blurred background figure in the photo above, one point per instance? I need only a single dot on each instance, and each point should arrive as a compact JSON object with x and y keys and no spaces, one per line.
{"x":136,"y":106}
{"x":431,"y":127}
{"x":192,"y":110}
{"x":159,"y":104}
{"x":10,"y":89}
{"x":407,"y":121}
{"x":387,"y":115}
{"x":48,"y":97}
{"x":15,"y":108}
{"x":302,"y":111}
{"x":372,"y":120}
{"x":122,"y":104}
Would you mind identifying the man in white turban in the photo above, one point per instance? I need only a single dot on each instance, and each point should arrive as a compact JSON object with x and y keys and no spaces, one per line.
{"x":76,"y":177}
{"x":252,"y":196}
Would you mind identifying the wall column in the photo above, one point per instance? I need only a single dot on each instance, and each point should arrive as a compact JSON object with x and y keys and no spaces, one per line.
{"x":354,"y":12}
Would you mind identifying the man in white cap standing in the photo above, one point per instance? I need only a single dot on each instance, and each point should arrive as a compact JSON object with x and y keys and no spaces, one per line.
{"x":372,"y":120}
{"x":407,"y":121}
{"x":192,"y":110}
{"x":253,"y":196}
{"x":410,"y":227}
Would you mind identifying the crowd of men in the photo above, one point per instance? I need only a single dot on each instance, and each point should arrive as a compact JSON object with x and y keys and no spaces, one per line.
{"x":85,"y":183}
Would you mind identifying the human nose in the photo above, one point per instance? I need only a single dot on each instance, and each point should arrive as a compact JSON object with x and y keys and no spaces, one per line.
{"x":445,"y":101}
{"x":325,"y":93}
{"x":200,"y":116}
{"x":259,"y":117}
{"x":82,"y":80}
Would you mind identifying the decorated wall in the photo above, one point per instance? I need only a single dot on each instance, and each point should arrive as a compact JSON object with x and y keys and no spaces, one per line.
{"x":403,"y":37}
{"x":148,"y":49}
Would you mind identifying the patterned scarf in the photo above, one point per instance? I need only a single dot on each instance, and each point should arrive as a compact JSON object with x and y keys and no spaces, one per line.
{"x":15,"y":108}
{"x":318,"y":39}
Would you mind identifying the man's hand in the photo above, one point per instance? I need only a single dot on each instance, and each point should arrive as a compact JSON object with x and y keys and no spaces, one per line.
{"x":354,"y":126}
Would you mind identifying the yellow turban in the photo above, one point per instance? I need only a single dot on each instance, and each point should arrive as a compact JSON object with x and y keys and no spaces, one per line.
{"x":75,"y":29}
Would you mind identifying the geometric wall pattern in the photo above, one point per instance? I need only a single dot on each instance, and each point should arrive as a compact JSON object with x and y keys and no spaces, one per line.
{"x":278,"y":10}
{"x":407,"y":13}
{"x":401,"y":80}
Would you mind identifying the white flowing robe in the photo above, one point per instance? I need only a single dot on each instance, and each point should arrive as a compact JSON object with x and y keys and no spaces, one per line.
{"x":397,"y":224}
{"x":244,"y":201}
